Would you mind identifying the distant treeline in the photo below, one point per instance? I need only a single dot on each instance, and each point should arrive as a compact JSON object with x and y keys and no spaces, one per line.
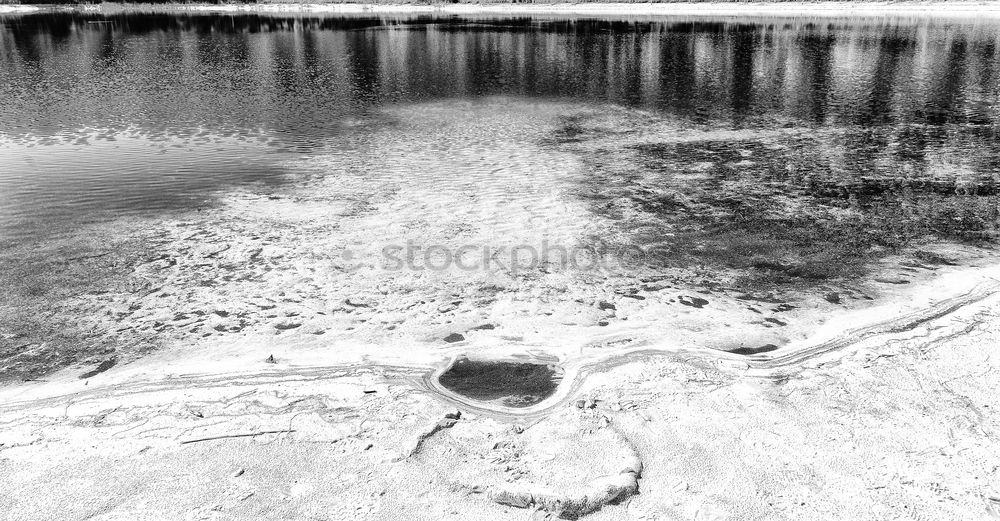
{"x":404,"y":2}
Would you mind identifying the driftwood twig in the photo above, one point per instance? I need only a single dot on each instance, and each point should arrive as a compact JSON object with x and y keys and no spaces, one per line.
{"x":241,"y":435}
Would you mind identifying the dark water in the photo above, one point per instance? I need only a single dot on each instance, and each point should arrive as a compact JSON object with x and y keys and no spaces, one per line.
{"x":513,"y":384}
{"x":108,"y":116}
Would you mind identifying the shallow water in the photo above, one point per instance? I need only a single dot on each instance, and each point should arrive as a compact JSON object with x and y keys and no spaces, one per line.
{"x":122,"y":115}
{"x":175,"y":179}
{"x":512,"y":384}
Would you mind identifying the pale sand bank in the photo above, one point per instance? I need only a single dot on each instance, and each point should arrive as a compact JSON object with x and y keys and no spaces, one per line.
{"x":832,"y":439}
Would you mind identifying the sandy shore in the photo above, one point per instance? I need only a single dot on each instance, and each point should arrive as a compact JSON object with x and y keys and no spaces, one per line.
{"x":259,"y":372}
{"x":280,"y":393}
{"x":830,"y":438}
{"x":959,"y":9}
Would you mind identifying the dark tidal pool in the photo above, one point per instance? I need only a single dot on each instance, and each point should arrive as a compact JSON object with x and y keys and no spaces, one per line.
{"x":512,"y":384}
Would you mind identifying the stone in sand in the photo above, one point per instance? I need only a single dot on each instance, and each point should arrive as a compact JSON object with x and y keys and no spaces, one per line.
{"x":694,"y":302}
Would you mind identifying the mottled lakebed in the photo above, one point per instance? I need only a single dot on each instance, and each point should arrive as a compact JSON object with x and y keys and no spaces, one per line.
{"x":229,"y":183}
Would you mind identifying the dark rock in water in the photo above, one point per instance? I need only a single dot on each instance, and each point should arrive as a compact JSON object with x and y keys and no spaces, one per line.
{"x":602,"y":323}
{"x":602,"y":305}
{"x":454,"y":337}
{"x":833,"y":298}
{"x":695,"y":302}
{"x":104,"y":366}
{"x":287,"y":325}
{"x":270,"y":359}
{"x":776,"y":321}
{"x":753,"y":350}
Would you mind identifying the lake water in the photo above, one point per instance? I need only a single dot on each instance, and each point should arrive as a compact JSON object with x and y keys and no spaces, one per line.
{"x":750,"y":153}
{"x":104,"y":116}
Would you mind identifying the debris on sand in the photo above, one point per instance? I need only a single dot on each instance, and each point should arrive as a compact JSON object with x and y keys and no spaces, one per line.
{"x":573,"y":504}
{"x":448,"y":421}
{"x":284,"y":326}
{"x":104,"y":366}
{"x":766,"y":348}
{"x":695,"y":302}
{"x":483,"y":327}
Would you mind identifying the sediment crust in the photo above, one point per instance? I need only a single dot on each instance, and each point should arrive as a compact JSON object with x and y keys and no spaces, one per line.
{"x":574,"y":503}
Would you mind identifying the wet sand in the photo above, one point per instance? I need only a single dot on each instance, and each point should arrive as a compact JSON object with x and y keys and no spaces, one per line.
{"x":709,"y":439}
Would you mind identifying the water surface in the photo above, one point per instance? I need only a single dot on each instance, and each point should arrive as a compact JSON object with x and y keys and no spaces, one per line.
{"x":176,"y":179}
{"x":102,"y":116}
